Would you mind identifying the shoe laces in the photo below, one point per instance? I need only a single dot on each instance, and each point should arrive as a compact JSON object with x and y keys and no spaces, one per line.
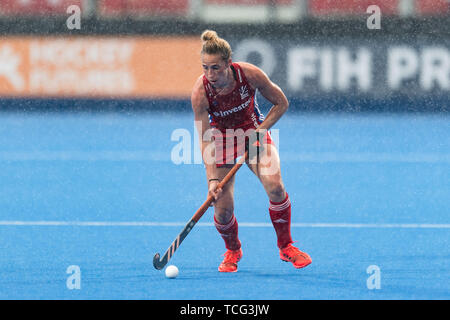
{"x":231,"y":256}
{"x":291,"y":250}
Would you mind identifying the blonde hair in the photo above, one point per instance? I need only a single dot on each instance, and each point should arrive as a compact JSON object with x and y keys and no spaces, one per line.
{"x":213,"y":44}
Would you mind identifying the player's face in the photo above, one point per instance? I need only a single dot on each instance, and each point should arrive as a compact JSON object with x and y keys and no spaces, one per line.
{"x":216,"y":69}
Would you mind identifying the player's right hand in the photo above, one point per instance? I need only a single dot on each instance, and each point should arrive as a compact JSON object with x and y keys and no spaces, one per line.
{"x":214,"y":191}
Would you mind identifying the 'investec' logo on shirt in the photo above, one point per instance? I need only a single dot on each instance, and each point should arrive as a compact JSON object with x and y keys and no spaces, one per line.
{"x":232,"y":110}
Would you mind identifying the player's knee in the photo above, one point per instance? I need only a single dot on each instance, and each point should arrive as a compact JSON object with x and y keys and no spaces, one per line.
{"x":276,"y":190}
{"x":223,"y":215}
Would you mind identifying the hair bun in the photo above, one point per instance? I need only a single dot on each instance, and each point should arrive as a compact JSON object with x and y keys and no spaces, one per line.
{"x":209,"y":35}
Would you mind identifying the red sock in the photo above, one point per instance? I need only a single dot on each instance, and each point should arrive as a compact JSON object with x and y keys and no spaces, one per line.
{"x":280,"y":214}
{"x":229,"y":233}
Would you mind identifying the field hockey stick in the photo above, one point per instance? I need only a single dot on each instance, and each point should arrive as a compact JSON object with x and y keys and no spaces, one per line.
{"x":160,"y":263}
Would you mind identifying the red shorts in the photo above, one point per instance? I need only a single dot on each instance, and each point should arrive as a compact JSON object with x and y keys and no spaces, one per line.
{"x":230,"y":144}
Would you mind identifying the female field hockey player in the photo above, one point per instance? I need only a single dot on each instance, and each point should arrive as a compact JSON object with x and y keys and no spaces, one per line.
{"x":224,"y":105}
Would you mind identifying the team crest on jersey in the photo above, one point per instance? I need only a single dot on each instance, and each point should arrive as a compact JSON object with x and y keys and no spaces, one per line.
{"x":243,"y":92}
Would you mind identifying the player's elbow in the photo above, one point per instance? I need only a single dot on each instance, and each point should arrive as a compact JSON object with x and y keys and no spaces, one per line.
{"x":284,"y":105}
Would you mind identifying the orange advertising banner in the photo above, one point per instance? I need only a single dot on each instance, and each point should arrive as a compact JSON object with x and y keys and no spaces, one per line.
{"x":129,"y":67}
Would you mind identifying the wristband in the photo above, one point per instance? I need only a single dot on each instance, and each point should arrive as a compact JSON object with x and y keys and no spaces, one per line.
{"x":213,"y":180}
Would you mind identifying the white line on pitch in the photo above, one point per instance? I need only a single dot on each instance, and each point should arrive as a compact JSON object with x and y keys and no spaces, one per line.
{"x":148,"y":155}
{"x":210,"y":224}
{"x":89,"y":156}
{"x":366,"y":157}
